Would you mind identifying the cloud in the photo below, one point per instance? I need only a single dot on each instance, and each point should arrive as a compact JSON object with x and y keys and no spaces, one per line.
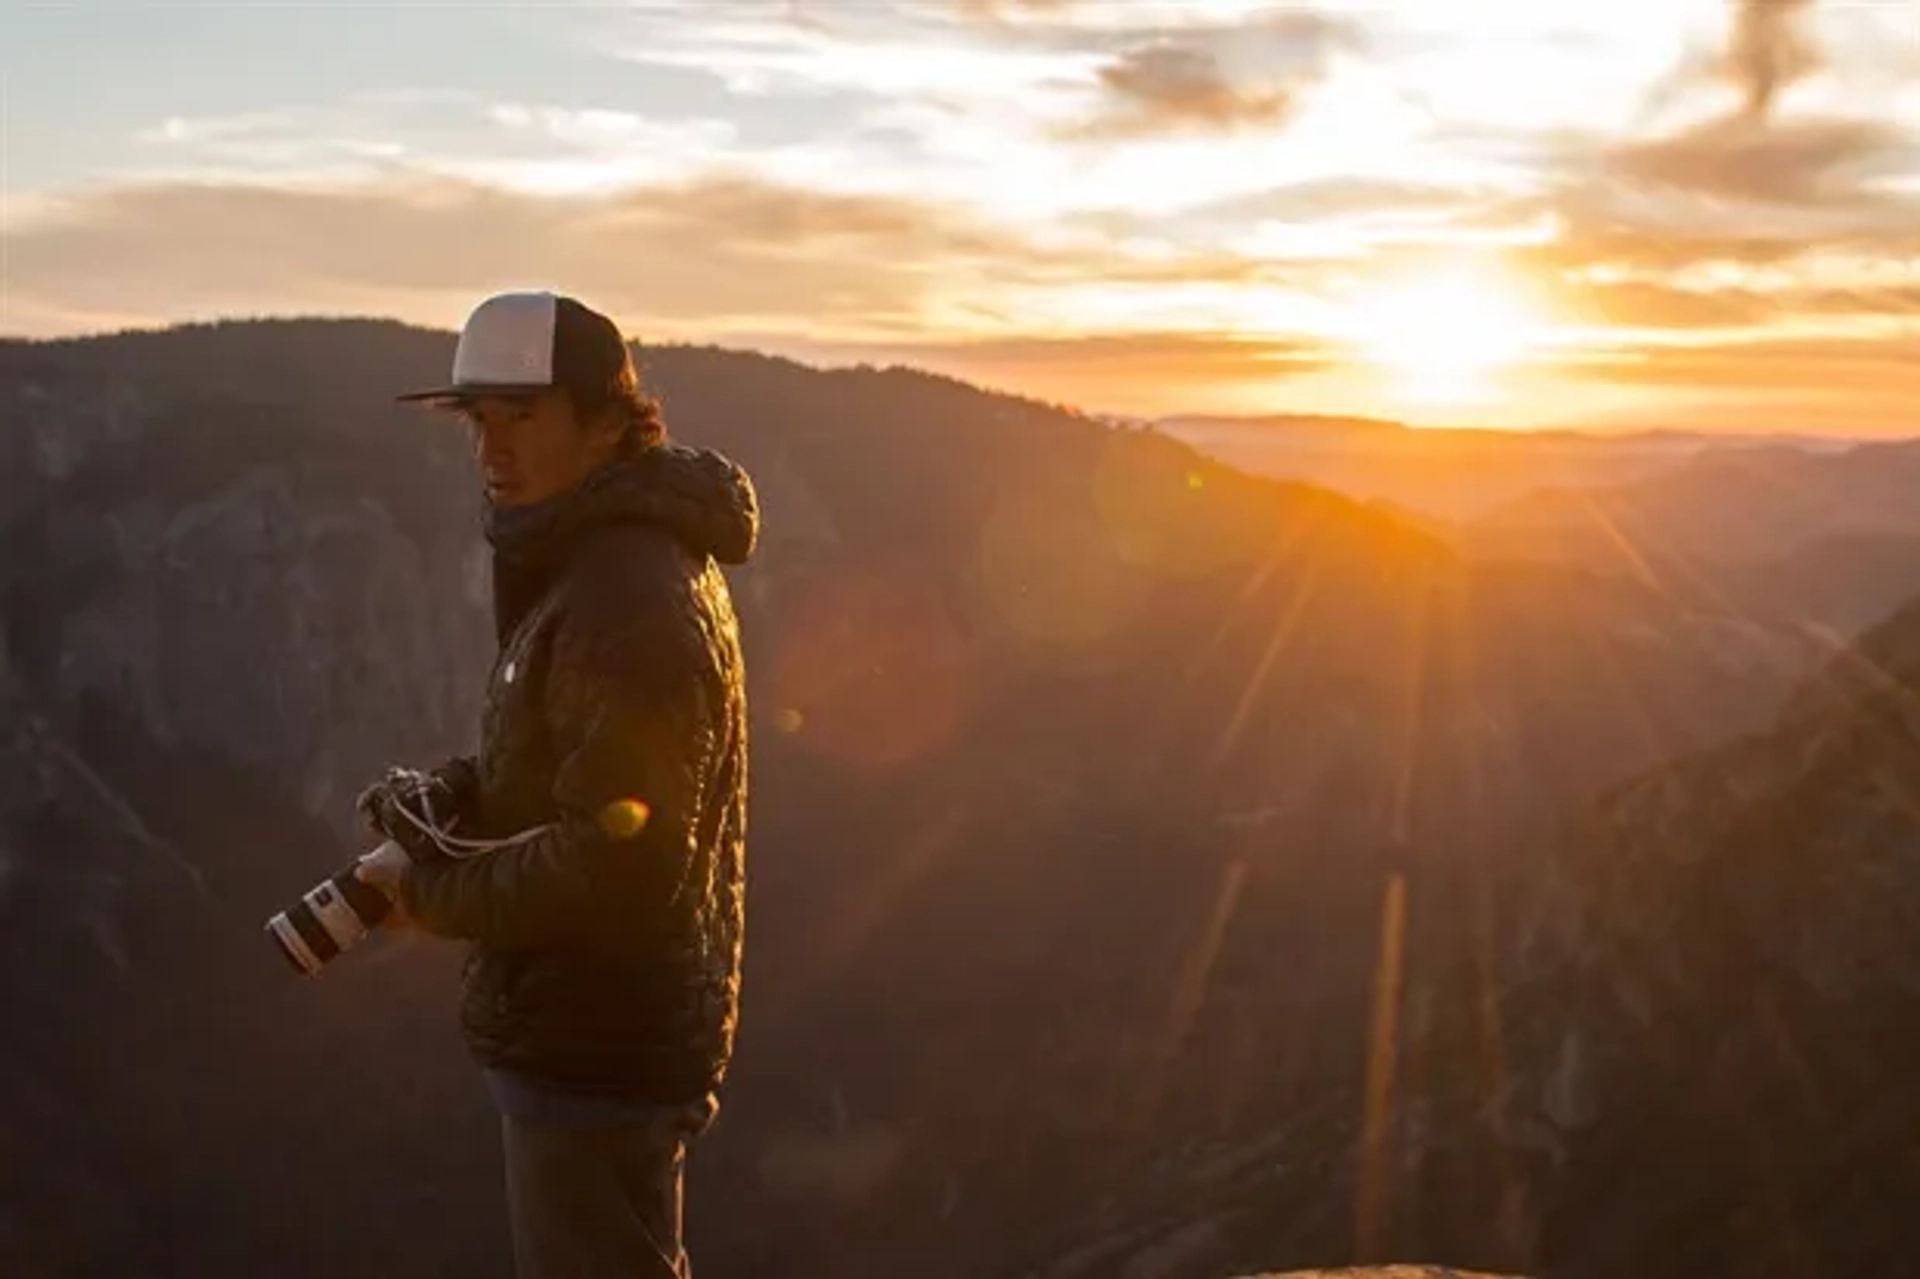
{"x":1649,"y":305}
{"x":837,"y":278}
{"x":177,"y":129}
{"x":916,"y":51}
{"x":1170,"y":86}
{"x":1604,"y":228}
{"x":1804,"y":162}
{"x":1755,"y":154}
{"x":1643,"y":305}
{"x":1228,"y":77}
{"x":705,"y":254}
{"x":1349,"y":198}
{"x":1126,"y":367}
{"x":1769,"y":50}
{"x":1764,"y":48}
{"x":722,"y":258}
{"x":1136,"y":198}
{"x":725,"y":252}
{"x":1863,"y":369}
{"x":995,"y":10}
{"x":1863,"y":386}
{"x":1754,"y":185}
{"x":1737,"y":227}
{"x":372,"y":136}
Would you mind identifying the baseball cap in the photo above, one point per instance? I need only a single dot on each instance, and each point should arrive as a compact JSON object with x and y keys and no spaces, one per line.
{"x":528,"y":341}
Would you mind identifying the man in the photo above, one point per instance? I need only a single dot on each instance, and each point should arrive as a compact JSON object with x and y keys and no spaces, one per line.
{"x":607,"y":801}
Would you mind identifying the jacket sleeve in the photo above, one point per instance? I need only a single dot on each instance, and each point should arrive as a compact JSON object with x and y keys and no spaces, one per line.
{"x":461,"y":776}
{"x":627,"y":708}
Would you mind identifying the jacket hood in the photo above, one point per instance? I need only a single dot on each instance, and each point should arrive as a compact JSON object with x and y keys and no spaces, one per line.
{"x":702,"y":498}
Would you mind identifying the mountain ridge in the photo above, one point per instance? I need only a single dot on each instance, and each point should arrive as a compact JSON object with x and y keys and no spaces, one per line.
{"x":1350,"y":424}
{"x":1090,"y":770}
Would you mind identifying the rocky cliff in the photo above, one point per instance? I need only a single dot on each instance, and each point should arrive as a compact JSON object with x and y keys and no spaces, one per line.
{"x":1149,"y":861}
{"x":1747,"y":994}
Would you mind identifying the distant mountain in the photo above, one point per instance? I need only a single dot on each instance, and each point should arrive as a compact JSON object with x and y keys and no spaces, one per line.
{"x":1825,"y":539}
{"x":1139,"y":846}
{"x":1456,"y":474}
{"x":1305,"y":427}
{"x":1742,"y":504}
{"x":1841,"y":583}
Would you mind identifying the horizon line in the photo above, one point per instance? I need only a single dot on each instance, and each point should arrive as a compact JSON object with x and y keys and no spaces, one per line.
{"x":819,"y":364}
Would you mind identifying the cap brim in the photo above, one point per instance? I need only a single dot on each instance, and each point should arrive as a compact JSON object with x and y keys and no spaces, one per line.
{"x":474,"y":391}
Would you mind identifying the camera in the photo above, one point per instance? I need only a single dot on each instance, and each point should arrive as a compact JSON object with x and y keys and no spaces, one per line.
{"x":336,"y":914}
{"x":329,"y":919}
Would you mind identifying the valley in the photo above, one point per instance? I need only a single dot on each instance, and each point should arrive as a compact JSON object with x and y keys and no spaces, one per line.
{"x":1157,"y":869}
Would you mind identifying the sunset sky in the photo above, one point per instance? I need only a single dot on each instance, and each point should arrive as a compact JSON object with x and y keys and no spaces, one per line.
{"x":1695,"y":213}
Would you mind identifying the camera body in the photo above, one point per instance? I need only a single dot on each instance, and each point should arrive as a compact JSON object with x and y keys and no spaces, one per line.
{"x":330,"y":919}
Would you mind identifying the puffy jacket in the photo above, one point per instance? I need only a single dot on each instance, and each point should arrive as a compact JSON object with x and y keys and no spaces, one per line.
{"x":607,"y":947}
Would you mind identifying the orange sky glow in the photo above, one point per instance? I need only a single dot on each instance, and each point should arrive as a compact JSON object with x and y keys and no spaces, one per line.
{"x":1687,"y":213}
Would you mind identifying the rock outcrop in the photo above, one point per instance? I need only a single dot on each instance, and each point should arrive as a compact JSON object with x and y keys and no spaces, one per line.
{"x":1747,"y":983}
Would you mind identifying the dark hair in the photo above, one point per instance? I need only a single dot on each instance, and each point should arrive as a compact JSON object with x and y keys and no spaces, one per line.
{"x":645,"y":425}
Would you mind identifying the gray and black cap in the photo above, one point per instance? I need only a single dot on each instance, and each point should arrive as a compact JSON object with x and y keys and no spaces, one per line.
{"x":523,"y":343}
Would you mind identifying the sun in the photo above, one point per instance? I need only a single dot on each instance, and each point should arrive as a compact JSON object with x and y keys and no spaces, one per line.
{"x":1445,"y":337}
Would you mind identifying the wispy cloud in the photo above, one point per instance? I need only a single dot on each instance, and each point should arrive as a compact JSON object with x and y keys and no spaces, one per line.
{"x":1250,"y":76}
{"x":1118,"y":200}
{"x":995,"y":10}
{"x":1829,"y":163}
{"x":520,"y":144}
{"x":1170,"y":85}
{"x":707,"y":255}
{"x":1770,"y":49}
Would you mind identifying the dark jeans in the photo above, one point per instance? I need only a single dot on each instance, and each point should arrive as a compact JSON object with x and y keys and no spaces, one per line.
{"x":600,"y":1201}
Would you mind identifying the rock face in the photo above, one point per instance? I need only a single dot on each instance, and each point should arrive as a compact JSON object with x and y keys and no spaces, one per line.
{"x":1748,"y":984}
{"x":1153,"y":868}
{"x":235,"y":576}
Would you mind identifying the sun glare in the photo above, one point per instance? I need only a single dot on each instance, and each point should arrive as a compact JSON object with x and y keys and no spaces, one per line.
{"x":1443,"y":338}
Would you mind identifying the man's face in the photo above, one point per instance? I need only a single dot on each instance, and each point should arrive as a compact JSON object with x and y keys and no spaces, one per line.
{"x":533,"y":448}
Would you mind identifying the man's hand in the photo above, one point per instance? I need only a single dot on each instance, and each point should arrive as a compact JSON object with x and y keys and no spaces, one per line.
{"x":386,"y":869}
{"x":400,"y":805}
